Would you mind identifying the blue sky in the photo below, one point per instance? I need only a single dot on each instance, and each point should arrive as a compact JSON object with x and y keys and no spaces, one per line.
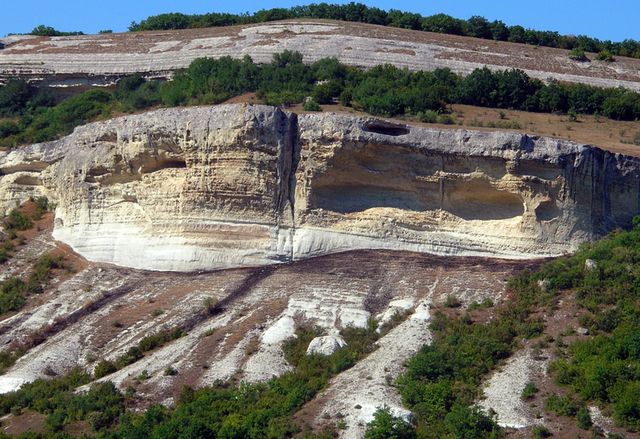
{"x":612,"y":19}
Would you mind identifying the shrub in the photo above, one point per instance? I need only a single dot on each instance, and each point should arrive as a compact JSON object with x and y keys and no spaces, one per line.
{"x":17,"y":220}
{"x":209,"y":305}
{"x":8,"y":128}
{"x":584,"y":419}
{"x":446,"y":119}
{"x":605,"y":55}
{"x":386,"y":425}
{"x":13,"y":292}
{"x":452,"y":302}
{"x":42,"y":206}
{"x":529,"y":391}
{"x":48,"y":31}
{"x":540,"y":431}
{"x":104,"y":368}
{"x":132,"y":355}
{"x":561,"y":405}
{"x":428,"y":116}
{"x":14,"y":97}
{"x":578,"y":54}
{"x":311,"y":105}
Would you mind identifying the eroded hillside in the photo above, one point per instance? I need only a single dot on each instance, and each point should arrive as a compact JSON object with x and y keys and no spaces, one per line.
{"x":234,"y":322}
{"x":100,"y":59}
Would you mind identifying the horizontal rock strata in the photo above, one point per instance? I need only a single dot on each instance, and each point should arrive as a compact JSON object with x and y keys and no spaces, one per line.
{"x":81,"y":61}
{"x":240,"y":185}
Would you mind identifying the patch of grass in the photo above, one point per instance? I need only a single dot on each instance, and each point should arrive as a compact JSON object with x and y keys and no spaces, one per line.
{"x":540,"y":432}
{"x":452,"y":301}
{"x":486,"y":303}
{"x":529,"y":391}
{"x":209,"y":332}
{"x":562,"y":405}
{"x":14,"y":291}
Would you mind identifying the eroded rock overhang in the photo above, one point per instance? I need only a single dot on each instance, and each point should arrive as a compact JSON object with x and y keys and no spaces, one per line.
{"x":236,"y":185}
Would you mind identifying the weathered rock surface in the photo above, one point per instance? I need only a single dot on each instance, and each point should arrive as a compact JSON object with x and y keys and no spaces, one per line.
{"x":326,"y":345}
{"x":101,"y":59}
{"x":240,"y":185}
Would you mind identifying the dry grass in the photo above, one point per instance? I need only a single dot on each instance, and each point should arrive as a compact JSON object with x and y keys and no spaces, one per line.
{"x":611,"y":135}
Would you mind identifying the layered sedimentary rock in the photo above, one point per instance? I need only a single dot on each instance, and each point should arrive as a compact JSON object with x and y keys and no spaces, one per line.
{"x":236,"y":185}
{"x":86,"y":60}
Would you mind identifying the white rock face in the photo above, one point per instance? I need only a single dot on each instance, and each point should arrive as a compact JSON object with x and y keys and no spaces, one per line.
{"x":238,"y":185}
{"x":326,"y":345}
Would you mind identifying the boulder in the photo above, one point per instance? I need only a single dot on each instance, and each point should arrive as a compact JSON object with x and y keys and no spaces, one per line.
{"x":326,"y":345}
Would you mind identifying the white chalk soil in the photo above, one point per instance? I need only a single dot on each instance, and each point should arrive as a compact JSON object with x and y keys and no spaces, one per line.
{"x":356,"y":394}
{"x":503,"y":390}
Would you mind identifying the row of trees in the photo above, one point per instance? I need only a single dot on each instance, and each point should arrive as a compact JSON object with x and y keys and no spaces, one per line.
{"x":475,"y":26}
{"x":48,"y":31}
{"x":32,"y":115}
{"x":383,"y":90}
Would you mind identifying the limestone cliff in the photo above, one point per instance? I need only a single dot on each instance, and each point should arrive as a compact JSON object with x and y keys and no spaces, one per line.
{"x":236,"y":185}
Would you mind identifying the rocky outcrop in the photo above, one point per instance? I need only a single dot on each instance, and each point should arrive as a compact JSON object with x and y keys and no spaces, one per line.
{"x":236,"y":185}
{"x":326,"y":345}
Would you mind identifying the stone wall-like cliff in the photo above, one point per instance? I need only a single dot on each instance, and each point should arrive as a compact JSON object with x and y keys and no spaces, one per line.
{"x":236,"y":185}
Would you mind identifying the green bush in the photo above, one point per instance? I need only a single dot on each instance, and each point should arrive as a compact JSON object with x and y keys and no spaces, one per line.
{"x":8,"y":128}
{"x":605,"y":55}
{"x":42,"y":206}
{"x":311,"y":105}
{"x":48,"y":31}
{"x":540,"y":432}
{"x":577,"y":54}
{"x":428,"y":116}
{"x":561,"y":405}
{"x":584,"y":418}
{"x":385,"y":425}
{"x":529,"y":391}
{"x":17,"y":220}
{"x":13,"y":292}
{"x":104,"y":368}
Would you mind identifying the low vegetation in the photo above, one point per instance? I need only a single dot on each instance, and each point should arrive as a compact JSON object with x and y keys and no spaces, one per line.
{"x":442,"y":380}
{"x":476,"y":26}
{"x":604,"y":368}
{"x":441,"y":383}
{"x":48,"y":31}
{"x":248,"y":410}
{"x":29,"y":115}
{"x":135,"y":353}
{"x":14,"y":291}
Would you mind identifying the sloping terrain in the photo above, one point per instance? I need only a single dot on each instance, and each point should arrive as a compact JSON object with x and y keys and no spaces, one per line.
{"x":318,"y":222}
{"x":100,"y":59}
{"x":235,"y":321}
